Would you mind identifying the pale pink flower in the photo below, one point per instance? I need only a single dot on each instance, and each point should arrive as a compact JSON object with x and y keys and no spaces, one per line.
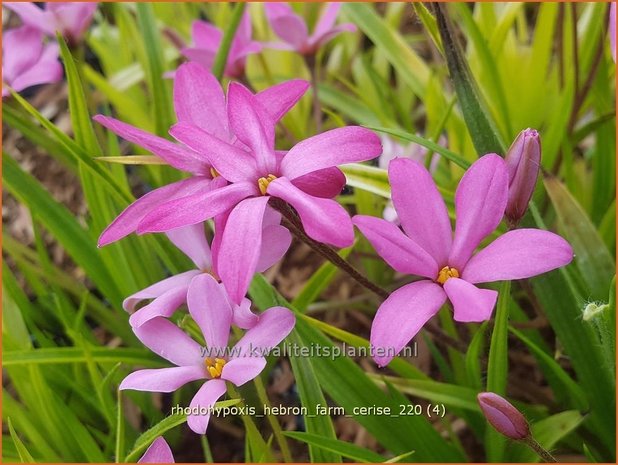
{"x":71,"y":19}
{"x":293,"y":30}
{"x":448,"y":264}
{"x":211,"y":310}
{"x":505,"y":418}
{"x":27,"y":61}
{"x":169,"y":294}
{"x":206,"y":42}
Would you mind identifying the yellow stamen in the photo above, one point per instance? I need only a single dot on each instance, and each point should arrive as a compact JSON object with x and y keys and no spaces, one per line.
{"x":264,"y":182}
{"x":214,"y":367}
{"x":446,"y":273}
{"x":214,"y":173}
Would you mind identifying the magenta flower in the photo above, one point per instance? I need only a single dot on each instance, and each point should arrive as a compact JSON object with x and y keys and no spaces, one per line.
{"x":169,"y":294}
{"x":199,"y":100}
{"x":211,"y":310}
{"x":505,"y":418}
{"x":306,"y":177}
{"x":393,"y":149}
{"x":206,"y":41}
{"x":523,"y":162}
{"x":158,"y":452}
{"x":71,"y":19}
{"x":293,"y":30}
{"x":448,"y":263}
{"x":26,"y":61}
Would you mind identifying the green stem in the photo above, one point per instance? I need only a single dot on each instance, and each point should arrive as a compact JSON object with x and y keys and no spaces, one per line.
{"x":218,"y":66}
{"x":539,"y":449}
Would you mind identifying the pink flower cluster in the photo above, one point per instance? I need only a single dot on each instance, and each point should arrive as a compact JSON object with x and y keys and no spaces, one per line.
{"x":238,"y":179}
{"x":26,"y":59}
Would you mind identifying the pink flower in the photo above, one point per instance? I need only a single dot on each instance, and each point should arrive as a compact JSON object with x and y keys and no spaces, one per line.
{"x":69,"y":18}
{"x":169,"y":294}
{"x":158,"y":452}
{"x":26,"y":61}
{"x":292,"y":29}
{"x":198,"y":99}
{"x":206,"y":41}
{"x":211,"y":310}
{"x":448,"y":263}
{"x":306,"y":177}
{"x":393,"y":149}
{"x":505,"y":418}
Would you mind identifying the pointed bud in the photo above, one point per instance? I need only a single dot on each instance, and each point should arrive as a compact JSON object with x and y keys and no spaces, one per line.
{"x":523,"y":161}
{"x":505,"y":418}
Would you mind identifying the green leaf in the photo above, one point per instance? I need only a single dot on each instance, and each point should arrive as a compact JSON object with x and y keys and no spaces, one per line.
{"x":133,"y":160}
{"x":47,"y":356}
{"x":24,"y":455}
{"x":218,"y":66}
{"x":368,"y":178}
{"x":596,"y":264}
{"x":345,"y":449}
{"x":497,"y":367}
{"x":482,"y":130}
{"x":311,"y":396}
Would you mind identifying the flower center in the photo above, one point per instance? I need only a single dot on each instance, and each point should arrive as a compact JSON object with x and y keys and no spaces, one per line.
{"x":446,"y":273}
{"x":214,"y":366}
{"x":264,"y":182}
{"x":214,"y":173}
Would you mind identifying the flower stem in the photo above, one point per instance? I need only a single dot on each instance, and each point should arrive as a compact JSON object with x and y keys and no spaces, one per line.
{"x":311,"y":62}
{"x":324,"y":250}
{"x":218,"y":66}
{"x":539,"y":449}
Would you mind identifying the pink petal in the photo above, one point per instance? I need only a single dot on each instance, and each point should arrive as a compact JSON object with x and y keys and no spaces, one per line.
{"x":203,"y":401}
{"x":480,"y":201}
{"x":162,"y":379}
{"x":199,"y":99}
{"x":179,"y":157}
{"x":317,"y":41}
{"x":398,"y":250}
{"x":401,"y":317}
{"x":219,"y":222}
{"x":280,"y":98}
{"x":233,"y":163}
{"x":158,"y":452}
{"x":420,"y":208}
{"x":253,"y":126}
{"x":167,"y":340}
{"x":206,"y":58}
{"x":209,"y":306}
{"x":241,"y":370}
{"x":328,"y":18}
{"x":331,"y":148}
{"x":32,"y":16}
{"x":273,"y":327}
{"x":195,"y":208}
{"x":22,"y":48}
{"x":276,"y":241}
{"x":323,"y":219}
{"x":163,"y":306}
{"x":286,"y":24}
{"x":326,"y":183}
{"x":127,"y":221}
{"x":243,"y":316}
{"x":240,"y":246}
{"x":206,"y":35}
{"x":72,"y":17}
{"x":45,"y":71}
{"x":181,"y":280}
{"x":193,"y":243}
{"x":518,"y":254}
{"x":470,"y":304}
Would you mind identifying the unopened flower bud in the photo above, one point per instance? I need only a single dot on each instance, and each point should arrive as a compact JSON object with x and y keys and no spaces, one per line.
{"x":523,"y":161}
{"x":505,"y":418}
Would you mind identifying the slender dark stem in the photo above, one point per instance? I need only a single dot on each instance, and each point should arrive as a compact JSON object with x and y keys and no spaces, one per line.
{"x":539,"y":449}
{"x":324,"y":250}
{"x":575,"y":48}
